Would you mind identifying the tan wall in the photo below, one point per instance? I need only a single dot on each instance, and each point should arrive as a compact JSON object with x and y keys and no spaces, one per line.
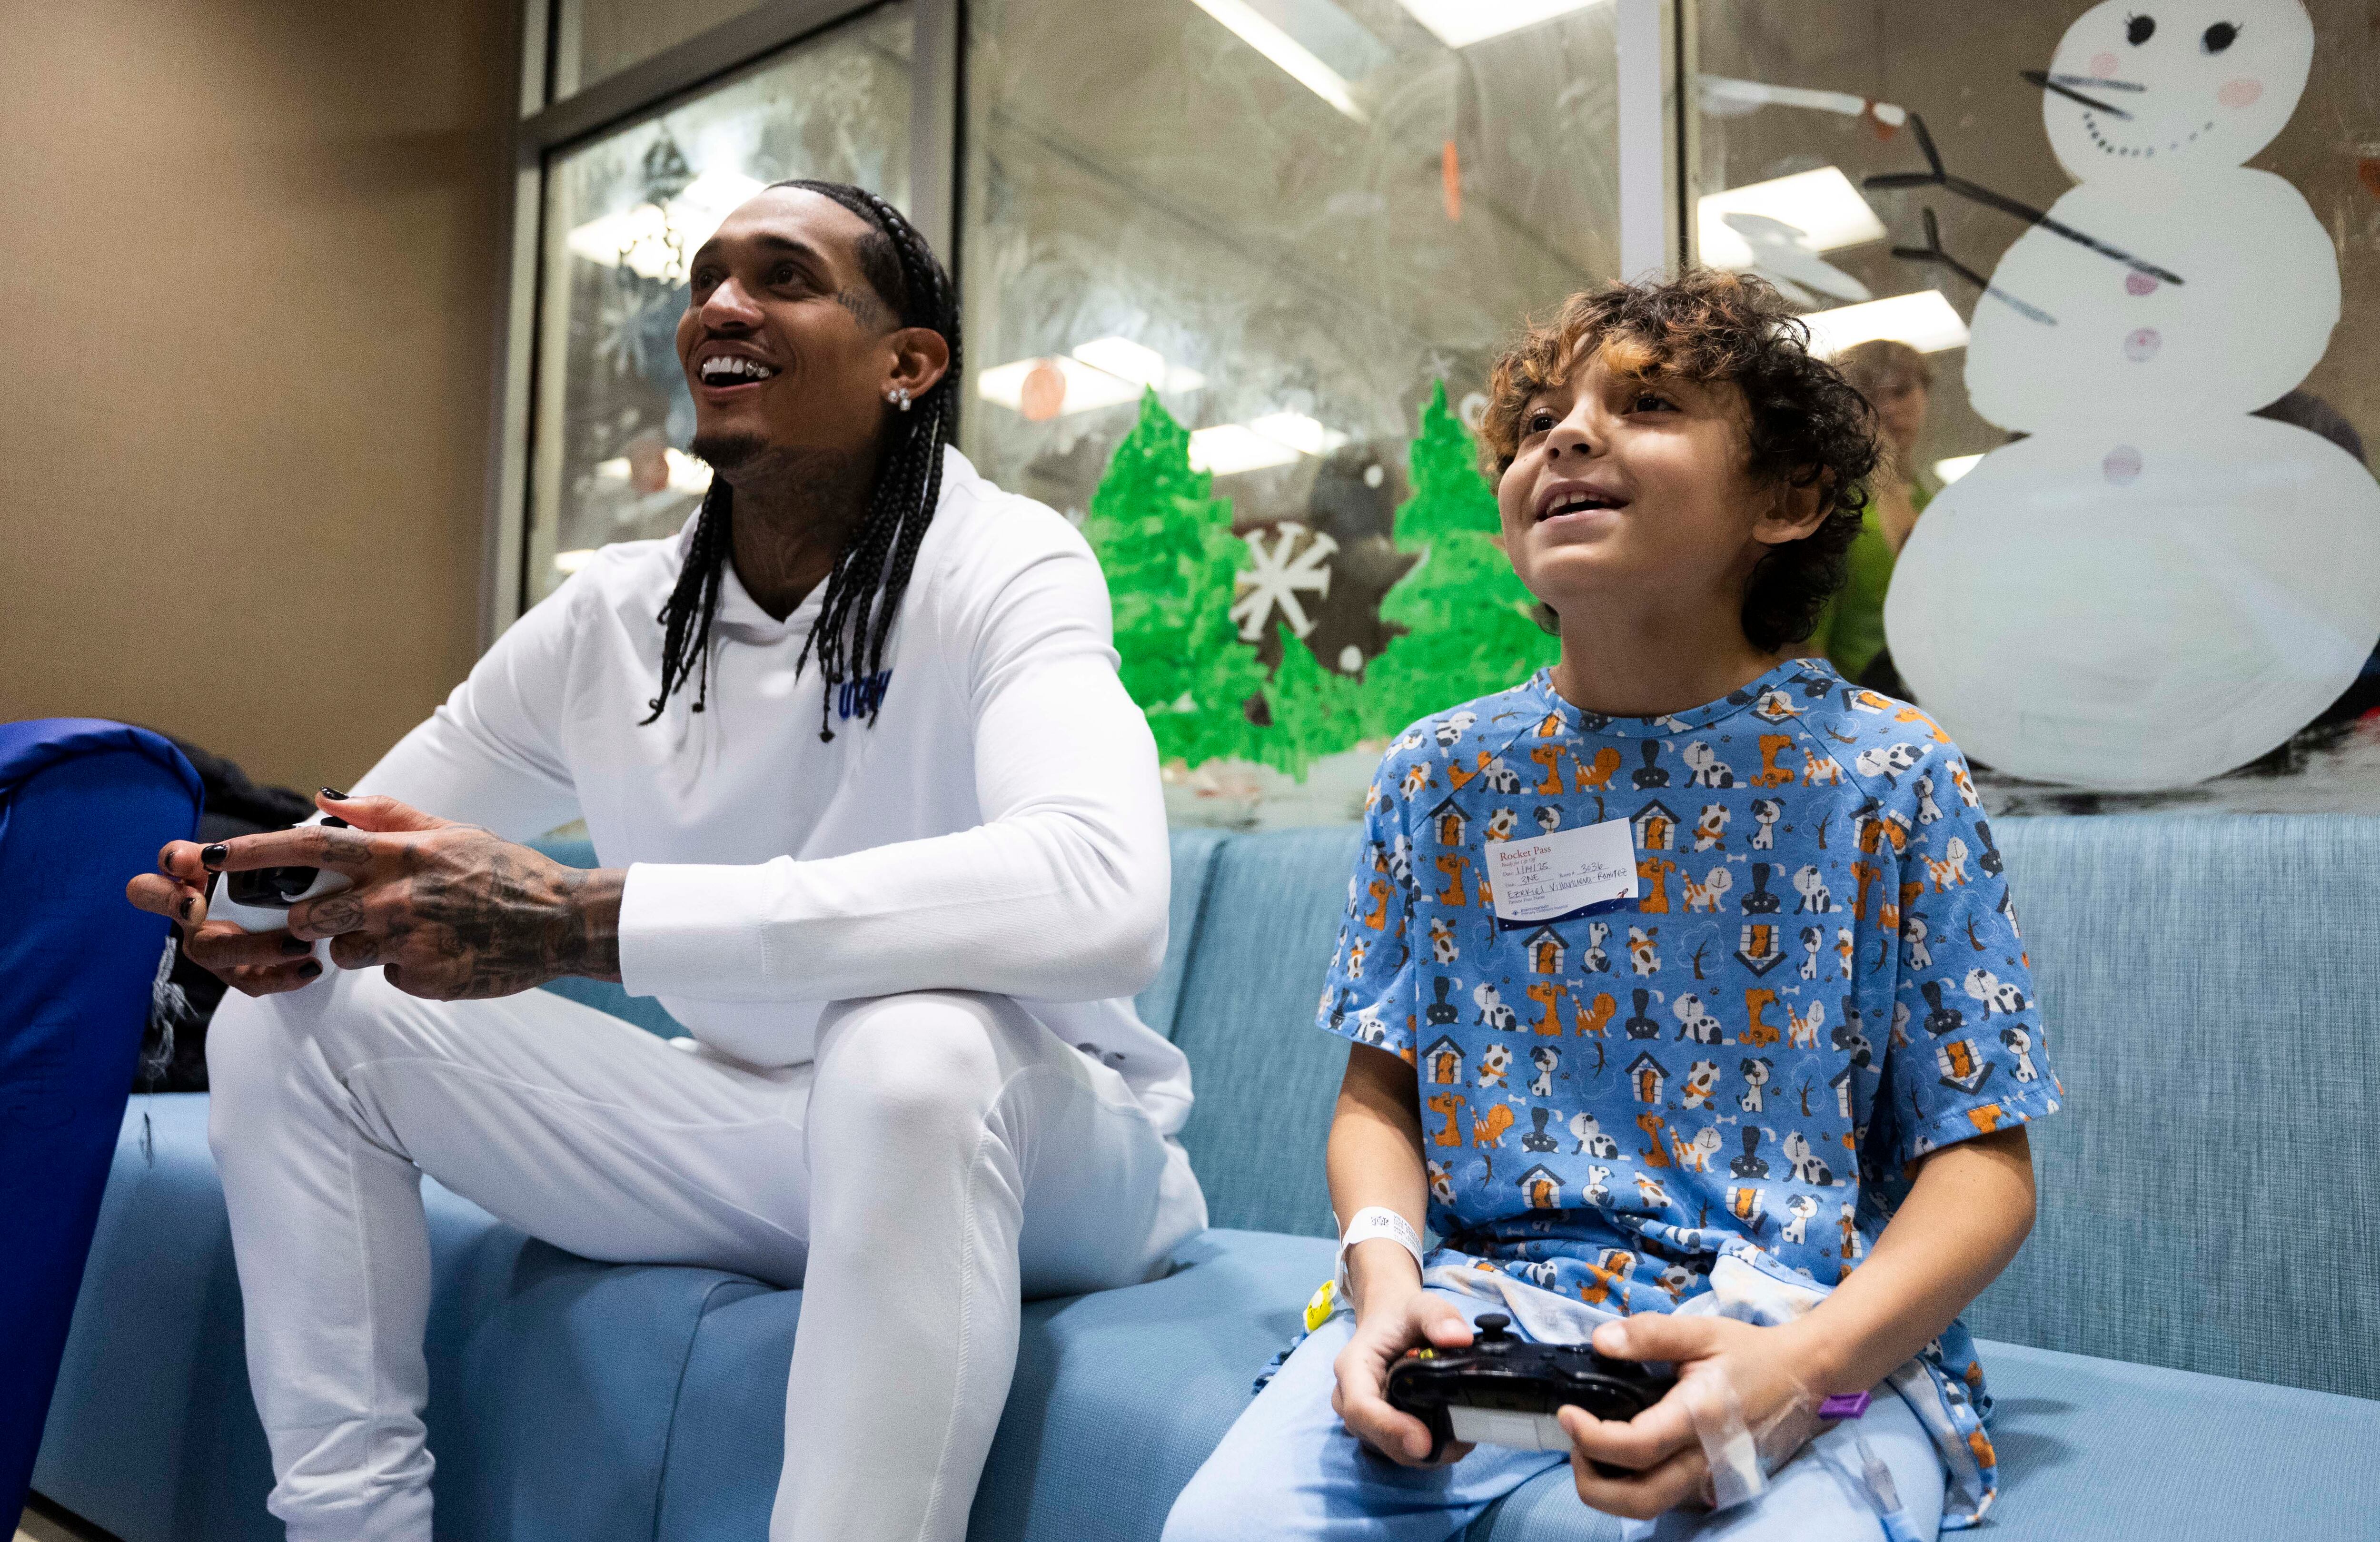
{"x":249,"y":257}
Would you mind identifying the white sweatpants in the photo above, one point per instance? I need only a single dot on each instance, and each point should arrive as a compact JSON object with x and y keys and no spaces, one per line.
{"x":942,"y":1156}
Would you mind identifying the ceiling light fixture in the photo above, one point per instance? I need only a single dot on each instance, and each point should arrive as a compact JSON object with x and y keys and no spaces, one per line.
{"x":1105,"y":372}
{"x":1822,"y":204}
{"x":1267,"y":37}
{"x":1087,"y":388}
{"x":1299,"y":432}
{"x":1228,"y":449}
{"x":1924,"y":320}
{"x":1142,"y":365}
{"x":1461,"y":23}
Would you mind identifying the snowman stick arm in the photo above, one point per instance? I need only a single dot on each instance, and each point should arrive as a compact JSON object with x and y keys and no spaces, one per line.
{"x":1932,"y":252}
{"x":1974,"y":193}
{"x":1936,"y":175}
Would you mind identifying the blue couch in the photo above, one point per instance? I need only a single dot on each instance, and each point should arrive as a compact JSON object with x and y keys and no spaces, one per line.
{"x":2188,"y":1347}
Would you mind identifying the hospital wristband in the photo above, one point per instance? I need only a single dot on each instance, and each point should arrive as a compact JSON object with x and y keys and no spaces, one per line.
{"x":1371,"y":1223}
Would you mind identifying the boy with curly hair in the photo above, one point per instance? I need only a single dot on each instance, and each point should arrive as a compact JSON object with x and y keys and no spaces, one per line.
{"x":1774,"y":1139}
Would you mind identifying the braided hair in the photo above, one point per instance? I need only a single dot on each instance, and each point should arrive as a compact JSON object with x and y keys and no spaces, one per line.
{"x":871,"y":572}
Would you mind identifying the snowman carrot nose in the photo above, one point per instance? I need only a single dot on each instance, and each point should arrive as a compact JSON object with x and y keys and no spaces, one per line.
{"x":2051,"y":83}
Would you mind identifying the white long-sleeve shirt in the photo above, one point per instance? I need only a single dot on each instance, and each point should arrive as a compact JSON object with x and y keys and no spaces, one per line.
{"x":999,"y":828}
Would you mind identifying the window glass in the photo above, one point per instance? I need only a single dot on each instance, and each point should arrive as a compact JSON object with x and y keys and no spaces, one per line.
{"x":622,"y":214}
{"x":1296,"y":222}
{"x":593,"y":39}
{"x":2140,"y":267}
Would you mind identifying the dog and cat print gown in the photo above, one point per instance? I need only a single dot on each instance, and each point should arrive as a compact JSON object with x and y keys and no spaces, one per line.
{"x":1820,"y":980}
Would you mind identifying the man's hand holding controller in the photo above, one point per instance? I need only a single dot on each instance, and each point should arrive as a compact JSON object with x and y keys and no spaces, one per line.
{"x":449,"y":911}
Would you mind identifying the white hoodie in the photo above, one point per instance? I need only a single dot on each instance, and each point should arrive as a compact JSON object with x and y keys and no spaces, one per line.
{"x":999,"y":828}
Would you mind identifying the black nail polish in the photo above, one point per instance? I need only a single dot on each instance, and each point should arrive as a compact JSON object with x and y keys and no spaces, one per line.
{"x":184,"y":911}
{"x":295,"y":945}
{"x":311,"y":969}
{"x":213,"y":856}
{"x":332,"y":821}
{"x":334,"y":794}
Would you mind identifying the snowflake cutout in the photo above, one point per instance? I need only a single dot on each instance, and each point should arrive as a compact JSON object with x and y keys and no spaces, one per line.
{"x":1278,"y":579}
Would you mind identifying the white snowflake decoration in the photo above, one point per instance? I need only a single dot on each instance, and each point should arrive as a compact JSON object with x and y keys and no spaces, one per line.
{"x":1278,"y":579}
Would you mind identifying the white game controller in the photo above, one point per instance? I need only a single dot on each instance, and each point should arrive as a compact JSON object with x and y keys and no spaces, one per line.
{"x":259,"y":899}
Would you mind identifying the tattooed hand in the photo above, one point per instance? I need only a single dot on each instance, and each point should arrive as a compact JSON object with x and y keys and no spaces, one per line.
{"x":447,"y":910}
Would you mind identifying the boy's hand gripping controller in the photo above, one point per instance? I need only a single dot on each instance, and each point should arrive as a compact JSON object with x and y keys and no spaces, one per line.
{"x":1504,"y":1391}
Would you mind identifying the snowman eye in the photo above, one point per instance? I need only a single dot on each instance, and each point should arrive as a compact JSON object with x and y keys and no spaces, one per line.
{"x":2138,"y":29}
{"x":2220,"y":36}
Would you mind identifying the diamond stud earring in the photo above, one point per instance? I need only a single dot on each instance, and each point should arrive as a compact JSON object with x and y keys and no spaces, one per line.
{"x":899,"y":396}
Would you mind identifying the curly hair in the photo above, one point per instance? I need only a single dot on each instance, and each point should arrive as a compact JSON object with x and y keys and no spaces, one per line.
{"x":1808,"y":425}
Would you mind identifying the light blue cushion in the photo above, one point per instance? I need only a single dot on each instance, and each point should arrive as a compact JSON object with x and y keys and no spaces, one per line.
{"x":1117,"y":1399}
{"x":2208,"y":985}
{"x":553,"y":1379}
{"x":1194,"y":866}
{"x":1264,"y":1074}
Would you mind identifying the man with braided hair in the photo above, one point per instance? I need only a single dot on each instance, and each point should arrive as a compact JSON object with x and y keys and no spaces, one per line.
{"x":877,"y":822}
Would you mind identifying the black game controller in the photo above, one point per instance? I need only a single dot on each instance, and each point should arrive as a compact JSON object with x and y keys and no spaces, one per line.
{"x":1504,"y":1391}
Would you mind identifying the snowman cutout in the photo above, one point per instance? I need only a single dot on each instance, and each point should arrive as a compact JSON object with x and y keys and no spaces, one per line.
{"x":2154,"y":586}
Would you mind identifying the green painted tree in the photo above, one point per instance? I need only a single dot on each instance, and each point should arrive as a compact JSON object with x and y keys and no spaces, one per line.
{"x":1165,"y":540}
{"x":1315,"y":710}
{"x":1468,"y":630}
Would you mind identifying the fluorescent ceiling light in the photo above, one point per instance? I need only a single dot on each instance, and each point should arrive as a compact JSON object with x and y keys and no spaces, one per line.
{"x":1105,"y":372}
{"x":1461,"y":23}
{"x":1275,"y":438}
{"x":656,"y":240}
{"x":1087,"y":387}
{"x":1230,"y":448}
{"x":1129,"y":360}
{"x":1299,"y":432}
{"x":686,"y":473}
{"x":1950,"y":471}
{"x":571,"y":562}
{"x":1822,"y":204}
{"x":1267,"y":38}
{"x":1924,"y":320}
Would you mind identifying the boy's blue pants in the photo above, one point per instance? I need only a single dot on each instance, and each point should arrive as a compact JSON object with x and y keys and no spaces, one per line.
{"x":1289,"y":1470}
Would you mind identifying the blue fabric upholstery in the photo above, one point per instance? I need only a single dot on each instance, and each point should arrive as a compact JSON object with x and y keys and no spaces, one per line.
{"x":553,"y":1380}
{"x":2208,"y":986}
{"x":575,"y":1401}
{"x":1263,"y":1073}
{"x":1141,"y":1382}
{"x":84,"y":805}
{"x":1193,"y":864}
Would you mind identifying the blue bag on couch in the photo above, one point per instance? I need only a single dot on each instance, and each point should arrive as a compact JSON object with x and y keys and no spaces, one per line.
{"x":84,"y":805}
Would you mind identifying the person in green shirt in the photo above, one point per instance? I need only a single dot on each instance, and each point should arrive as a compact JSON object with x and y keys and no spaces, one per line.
{"x":1896,"y":381}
